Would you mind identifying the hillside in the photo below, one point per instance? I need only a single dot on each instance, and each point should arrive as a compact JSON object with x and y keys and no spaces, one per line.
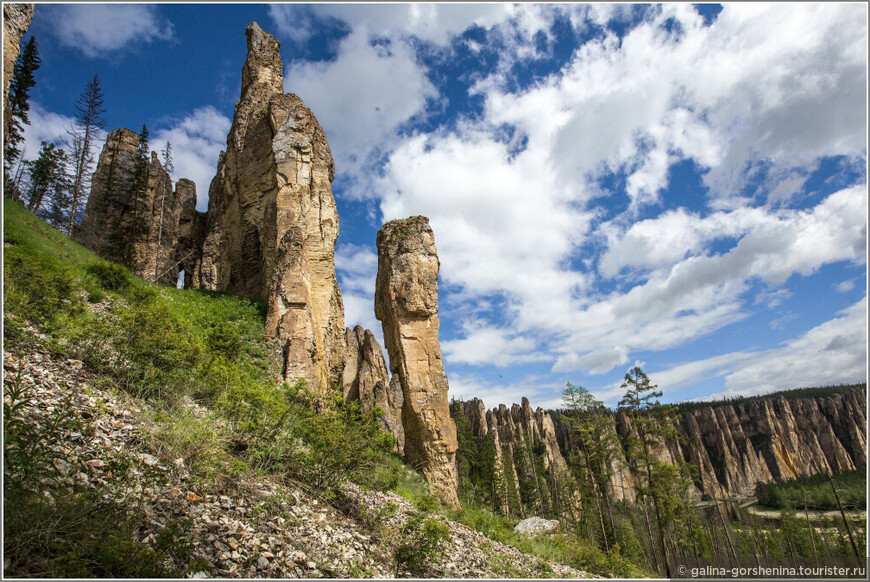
{"x":144,"y":422}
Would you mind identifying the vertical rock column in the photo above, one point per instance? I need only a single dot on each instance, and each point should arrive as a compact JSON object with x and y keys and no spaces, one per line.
{"x":406,"y":303}
{"x":273,"y":223}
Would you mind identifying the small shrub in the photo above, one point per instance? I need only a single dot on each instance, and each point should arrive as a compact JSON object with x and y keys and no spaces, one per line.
{"x":423,"y":540}
{"x":110,"y":276}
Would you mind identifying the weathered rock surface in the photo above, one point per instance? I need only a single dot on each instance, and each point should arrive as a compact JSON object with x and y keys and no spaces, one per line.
{"x":764,"y":440}
{"x":16,"y":20}
{"x":140,"y":230}
{"x":191,"y":231}
{"x":366,"y":379}
{"x":272,"y":221}
{"x":527,"y":453}
{"x":406,"y":303}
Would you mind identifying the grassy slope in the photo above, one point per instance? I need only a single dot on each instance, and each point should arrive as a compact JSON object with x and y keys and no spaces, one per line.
{"x":169,"y":347}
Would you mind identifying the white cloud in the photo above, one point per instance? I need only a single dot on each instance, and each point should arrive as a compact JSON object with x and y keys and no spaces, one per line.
{"x":486,"y":345}
{"x":538,"y":391}
{"x":595,"y":362}
{"x":831,"y":353}
{"x":845,"y":286}
{"x":429,"y":22}
{"x":362,"y":97}
{"x":357,"y":269}
{"x":197,"y":140}
{"x":99,"y":30}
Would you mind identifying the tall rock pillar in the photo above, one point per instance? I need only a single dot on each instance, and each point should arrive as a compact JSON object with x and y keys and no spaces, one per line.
{"x":406,"y":303}
{"x":273,"y":223}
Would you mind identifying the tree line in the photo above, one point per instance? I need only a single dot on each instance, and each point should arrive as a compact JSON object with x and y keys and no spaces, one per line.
{"x":56,"y":184}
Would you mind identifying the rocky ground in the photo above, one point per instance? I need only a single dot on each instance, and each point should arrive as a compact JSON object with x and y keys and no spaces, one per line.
{"x":254,"y":529}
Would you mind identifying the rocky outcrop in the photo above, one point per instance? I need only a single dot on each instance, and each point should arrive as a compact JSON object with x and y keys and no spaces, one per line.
{"x":366,"y":380}
{"x":16,"y":20}
{"x":273,"y":223}
{"x":191,"y":231}
{"x":406,"y":303}
{"x":529,"y":473}
{"x":761,"y":440}
{"x":770,"y":439}
{"x":139,"y":229}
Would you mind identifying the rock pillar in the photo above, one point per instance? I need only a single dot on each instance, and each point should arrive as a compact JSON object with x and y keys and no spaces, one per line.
{"x":406,"y":303}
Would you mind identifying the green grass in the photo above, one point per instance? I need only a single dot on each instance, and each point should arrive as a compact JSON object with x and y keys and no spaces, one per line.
{"x":167,"y":348}
{"x":564,"y":547}
{"x":851,"y":488}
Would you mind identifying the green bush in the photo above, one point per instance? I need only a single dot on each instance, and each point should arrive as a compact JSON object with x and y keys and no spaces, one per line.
{"x":423,"y":540}
{"x":110,"y":276}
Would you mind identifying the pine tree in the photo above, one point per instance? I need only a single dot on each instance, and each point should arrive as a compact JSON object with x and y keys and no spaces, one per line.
{"x":168,"y":164}
{"x":47,"y":176}
{"x":89,"y":119}
{"x":590,"y":424}
{"x":18,"y":106}
{"x":655,"y":424}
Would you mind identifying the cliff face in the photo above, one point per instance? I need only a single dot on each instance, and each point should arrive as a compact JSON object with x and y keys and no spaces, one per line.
{"x":764,"y":440}
{"x":272,"y":221}
{"x":406,"y":303}
{"x":529,"y":471}
{"x":16,"y":20}
{"x":138,"y":229}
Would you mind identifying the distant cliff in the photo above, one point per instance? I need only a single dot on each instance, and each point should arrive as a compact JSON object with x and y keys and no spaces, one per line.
{"x":736,"y":445}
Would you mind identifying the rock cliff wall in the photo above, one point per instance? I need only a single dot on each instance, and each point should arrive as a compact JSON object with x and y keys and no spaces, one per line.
{"x":761,"y":440}
{"x":529,"y":472}
{"x":406,"y":303}
{"x":272,"y":221}
{"x":16,"y":20}
{"x":138,"y":229}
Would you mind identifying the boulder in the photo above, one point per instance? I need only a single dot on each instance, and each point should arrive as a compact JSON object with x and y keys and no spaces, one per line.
{"x":532,"y":526}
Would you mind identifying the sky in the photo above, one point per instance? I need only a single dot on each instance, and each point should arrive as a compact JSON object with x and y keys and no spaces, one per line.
{"x":680,"y":187}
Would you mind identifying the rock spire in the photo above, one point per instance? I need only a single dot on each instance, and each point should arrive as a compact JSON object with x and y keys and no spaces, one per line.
{"x":138,"y":229}
{"x":273,"y":223}
{"x":406,"y":303}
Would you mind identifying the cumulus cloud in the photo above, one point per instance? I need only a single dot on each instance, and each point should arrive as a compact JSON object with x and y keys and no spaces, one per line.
{"x":357,"y":267}
{"x":429,"y":22}
{"x":197,"y":139}
{"x":100,"y":30}
{"x":382,"y":87}
{"x":831,"y":353}
{"x":511,"y":218}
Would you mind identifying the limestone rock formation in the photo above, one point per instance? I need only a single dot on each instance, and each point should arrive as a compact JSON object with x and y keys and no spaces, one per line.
{"x":137,"y":229}
{"x":530,"y":471}
{"x":16,"y":20}
{"x":191,"y":231}
{"x":272,"y":221}
{"x":735,"y":446}
{"x":366,"y":379}
{"x":406,"y":303}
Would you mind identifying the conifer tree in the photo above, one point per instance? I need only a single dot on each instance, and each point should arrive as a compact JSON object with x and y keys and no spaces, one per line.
{"x":89,"y":120}
{"x":47,"y":176}
{"x":168,"y":164}
{"x":590,"y":424}
{"x":16,"y":111}
{"x":655,"y":424}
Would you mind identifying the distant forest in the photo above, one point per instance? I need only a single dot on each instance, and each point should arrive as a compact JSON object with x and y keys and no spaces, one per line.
{"x":791,"y":394}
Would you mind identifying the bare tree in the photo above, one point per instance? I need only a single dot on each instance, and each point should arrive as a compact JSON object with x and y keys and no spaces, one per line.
{"x":89,"y":119}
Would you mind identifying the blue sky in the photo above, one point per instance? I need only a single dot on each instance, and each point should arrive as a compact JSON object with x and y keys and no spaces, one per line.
{"x":679,"y":186}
